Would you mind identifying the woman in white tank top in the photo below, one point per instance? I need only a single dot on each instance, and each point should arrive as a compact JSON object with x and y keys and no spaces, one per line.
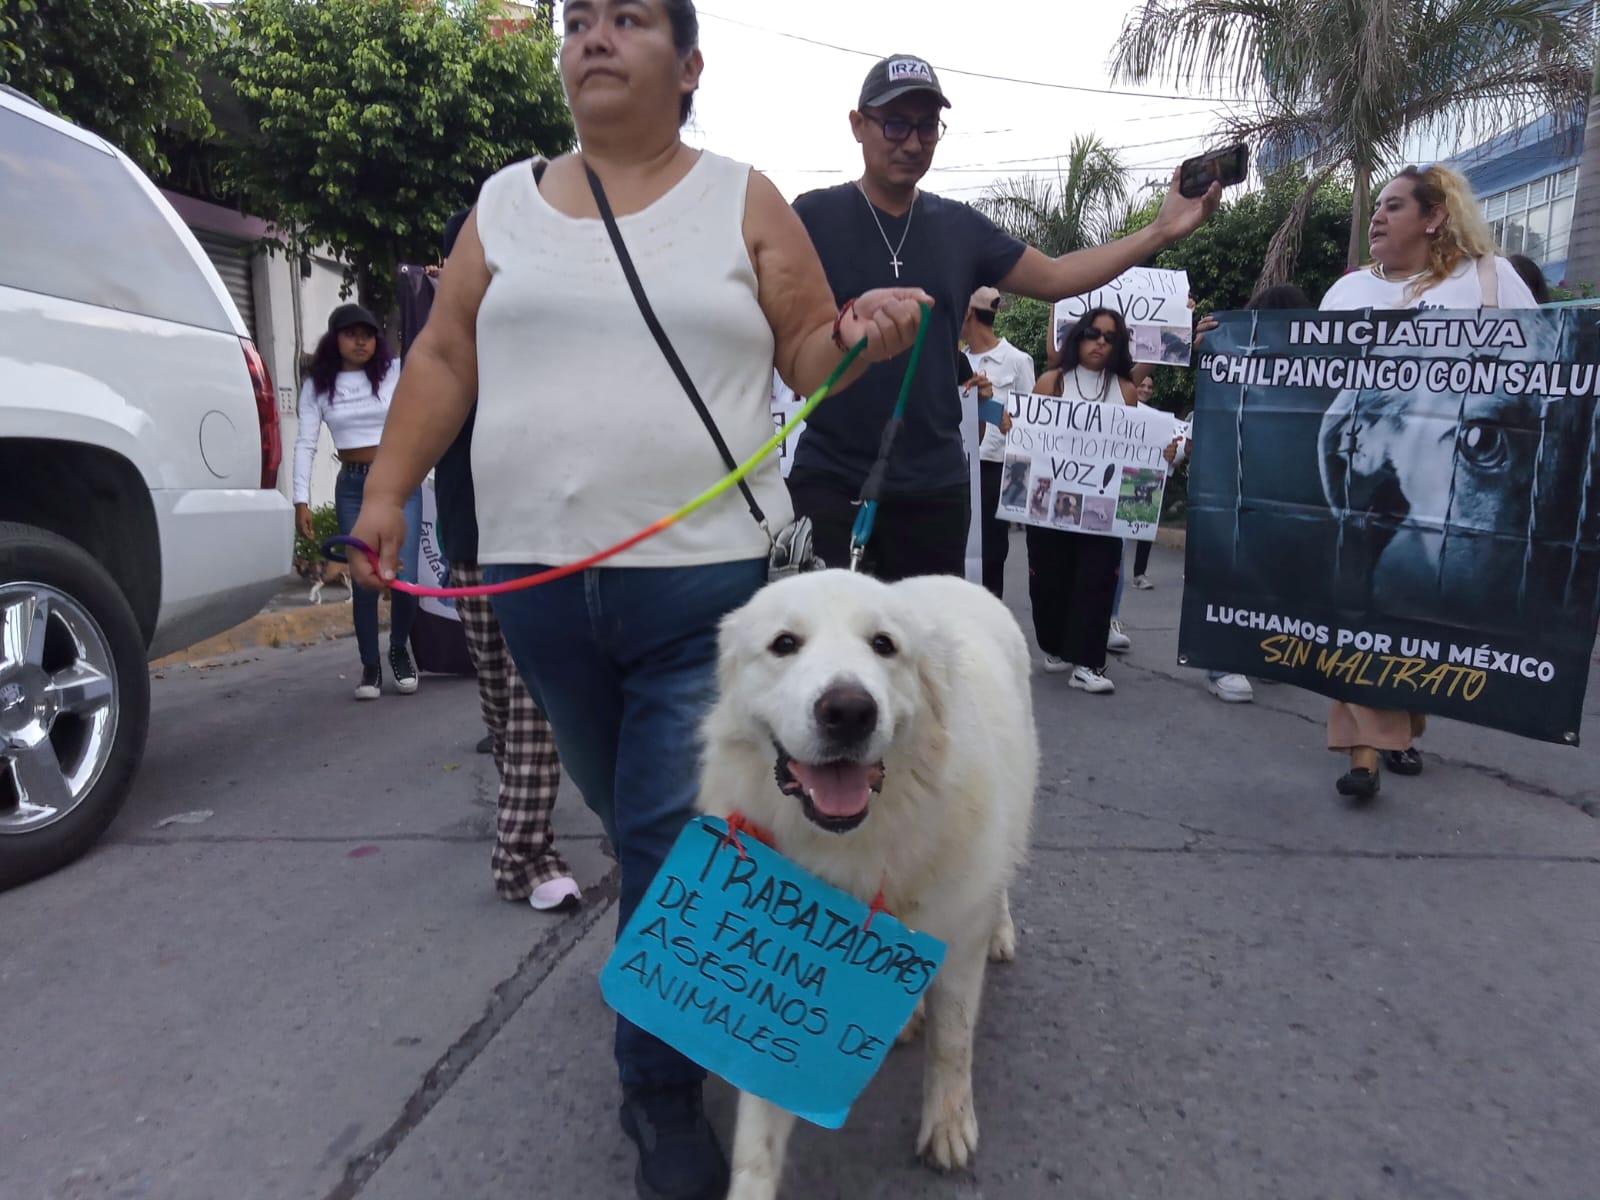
{"x":584,"y":436}
{"x":1072,"y":576}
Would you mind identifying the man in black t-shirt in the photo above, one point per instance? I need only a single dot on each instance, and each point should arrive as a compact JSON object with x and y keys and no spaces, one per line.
{"x":881,"y":231}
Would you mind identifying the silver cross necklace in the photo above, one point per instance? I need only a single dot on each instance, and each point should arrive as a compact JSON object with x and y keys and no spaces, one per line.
{"x":894,"y":251}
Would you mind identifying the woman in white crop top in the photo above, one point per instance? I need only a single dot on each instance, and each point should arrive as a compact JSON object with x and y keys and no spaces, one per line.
{"x":348,"y":388}
{"x":584,"y":436}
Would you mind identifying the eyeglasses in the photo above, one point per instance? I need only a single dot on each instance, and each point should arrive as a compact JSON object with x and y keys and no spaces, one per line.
{"x":1092,"y":334}
{"x":897,"y":129}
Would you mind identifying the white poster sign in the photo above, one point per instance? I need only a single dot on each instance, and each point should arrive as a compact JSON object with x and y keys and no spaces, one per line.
{"x":433,"y":570}
{"x":1088,"y":466}
{"x":785,"y":404}
{"x":1154,"y":303}
{"x":970,"y":440}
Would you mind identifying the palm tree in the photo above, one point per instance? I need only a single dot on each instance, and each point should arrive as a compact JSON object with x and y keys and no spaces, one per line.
{"x":1081,"y":207}
{"x":1583,"y":252}
{"x":1349,"y":79}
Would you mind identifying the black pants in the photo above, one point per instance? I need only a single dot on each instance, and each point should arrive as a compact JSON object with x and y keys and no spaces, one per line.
{"x":996,"y":532}
{"x":1141,"y":557}
{"x":1072,"y":583}
{"x":924,"y":534}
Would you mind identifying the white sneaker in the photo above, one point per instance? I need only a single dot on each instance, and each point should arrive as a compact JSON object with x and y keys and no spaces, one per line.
{"x":371,"y":685}
{"x":556,"y":895}
{"x":1055,"y":666}
{"x":1142,"y":582}
{"x":1231,"y":689}
{"x":1116,"y":641}
{"x":1090,"y":680}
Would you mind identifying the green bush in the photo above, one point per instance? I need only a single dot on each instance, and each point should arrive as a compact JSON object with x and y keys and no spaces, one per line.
{"x":325,"y":523}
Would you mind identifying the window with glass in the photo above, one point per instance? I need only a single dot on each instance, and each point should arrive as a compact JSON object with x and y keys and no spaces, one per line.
{"x":1534,"y":218}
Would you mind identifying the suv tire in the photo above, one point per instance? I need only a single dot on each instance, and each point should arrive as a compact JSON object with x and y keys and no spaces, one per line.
{"x":74,"y":701}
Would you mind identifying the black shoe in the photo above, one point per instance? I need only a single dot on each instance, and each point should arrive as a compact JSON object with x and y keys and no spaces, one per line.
{"x":1403,"y":762}
{"x":486,"y":746}
{"x":405,"y":675}
{"x":371,"y":685}
{"x":1358,"y":783}
{"x":679,"y":1155}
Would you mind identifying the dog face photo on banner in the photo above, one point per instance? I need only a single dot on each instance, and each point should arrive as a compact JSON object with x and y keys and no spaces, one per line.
{"x":1435,"y":491}
{"x":1383,"y":476}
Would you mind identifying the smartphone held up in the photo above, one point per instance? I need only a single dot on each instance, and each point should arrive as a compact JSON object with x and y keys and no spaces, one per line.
{"x":1227,"y":167}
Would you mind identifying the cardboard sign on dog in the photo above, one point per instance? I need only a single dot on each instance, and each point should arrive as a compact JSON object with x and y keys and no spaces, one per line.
{"x":766,"y":975}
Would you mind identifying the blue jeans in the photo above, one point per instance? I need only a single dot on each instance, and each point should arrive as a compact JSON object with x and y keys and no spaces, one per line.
{"x":347,"y":492}
{"x":623,"y":662}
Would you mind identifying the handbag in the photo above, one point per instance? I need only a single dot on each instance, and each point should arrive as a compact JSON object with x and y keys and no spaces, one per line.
{"x":790,"y":550}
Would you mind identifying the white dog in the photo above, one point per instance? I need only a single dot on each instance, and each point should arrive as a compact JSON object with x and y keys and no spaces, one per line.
{"x":883,"y":733}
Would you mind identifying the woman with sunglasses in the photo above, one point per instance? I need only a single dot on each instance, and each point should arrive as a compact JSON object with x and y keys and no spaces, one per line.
{"x":1072,"y":576}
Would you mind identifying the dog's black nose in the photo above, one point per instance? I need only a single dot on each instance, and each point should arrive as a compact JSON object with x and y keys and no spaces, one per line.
{"x":846,"y":713}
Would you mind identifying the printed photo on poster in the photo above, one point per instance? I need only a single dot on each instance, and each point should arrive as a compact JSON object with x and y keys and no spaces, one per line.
{"x":1401,"y":510}
{"x":1155,"y":305}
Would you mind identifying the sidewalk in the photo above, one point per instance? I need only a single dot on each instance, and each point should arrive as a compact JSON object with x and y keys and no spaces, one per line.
{"x":289,"y":619}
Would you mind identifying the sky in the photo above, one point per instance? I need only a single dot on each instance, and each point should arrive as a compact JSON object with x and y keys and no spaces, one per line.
{"x":780,"y":102}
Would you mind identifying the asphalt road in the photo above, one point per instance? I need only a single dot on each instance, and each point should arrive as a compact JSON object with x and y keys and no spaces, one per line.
{"x":285,"y":973}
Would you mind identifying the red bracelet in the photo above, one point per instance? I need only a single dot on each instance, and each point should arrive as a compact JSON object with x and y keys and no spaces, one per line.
{"x":839,"y":321}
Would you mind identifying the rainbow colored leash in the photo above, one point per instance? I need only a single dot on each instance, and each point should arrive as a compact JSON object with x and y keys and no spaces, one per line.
{"x":720,"y":488}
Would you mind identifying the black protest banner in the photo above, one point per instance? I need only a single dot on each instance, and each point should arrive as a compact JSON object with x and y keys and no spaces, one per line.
{"x":1401,"y":510}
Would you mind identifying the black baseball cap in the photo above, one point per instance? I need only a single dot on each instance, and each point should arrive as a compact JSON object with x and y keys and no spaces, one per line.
{"x":900,"y":75}
{"x":347,"y":315}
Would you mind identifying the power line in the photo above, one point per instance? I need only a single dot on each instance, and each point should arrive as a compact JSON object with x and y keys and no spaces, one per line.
{"x":1046,"y":159}
{"x":1064,"y":87}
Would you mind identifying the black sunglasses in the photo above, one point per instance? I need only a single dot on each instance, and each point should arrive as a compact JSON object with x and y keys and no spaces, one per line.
{"x":897,"y":129}
{"x":1092,"y":334}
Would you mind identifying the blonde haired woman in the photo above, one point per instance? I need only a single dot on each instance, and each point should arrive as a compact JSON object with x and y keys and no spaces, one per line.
{"x":1431,"y":248}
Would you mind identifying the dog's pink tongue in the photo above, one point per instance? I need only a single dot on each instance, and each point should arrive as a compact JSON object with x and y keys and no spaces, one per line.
{"x":836,"y":789}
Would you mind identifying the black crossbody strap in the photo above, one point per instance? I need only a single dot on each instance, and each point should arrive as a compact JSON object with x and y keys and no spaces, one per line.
{"x":662,"y":340}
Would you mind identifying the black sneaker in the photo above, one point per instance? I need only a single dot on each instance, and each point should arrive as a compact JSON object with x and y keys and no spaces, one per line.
{"x":405,"y":675}
{"x":679,"y":1155}
{"x":486,"y":745}
{"x":371,"y":685}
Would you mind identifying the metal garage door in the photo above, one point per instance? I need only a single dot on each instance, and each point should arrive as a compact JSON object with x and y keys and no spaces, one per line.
{"x":231,"y":258}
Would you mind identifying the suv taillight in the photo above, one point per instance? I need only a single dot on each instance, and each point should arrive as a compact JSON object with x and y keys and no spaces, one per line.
{"x":266,"y":414}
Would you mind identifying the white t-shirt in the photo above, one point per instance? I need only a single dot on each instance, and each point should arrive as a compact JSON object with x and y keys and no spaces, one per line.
{"x":1010,"y":370}
{"x":1363,"y":289}
{"x":354,"y":415}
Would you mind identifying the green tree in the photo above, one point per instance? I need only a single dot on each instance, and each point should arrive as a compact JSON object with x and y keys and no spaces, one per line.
{"x":376,"y":119}
{"x":1222,"y":257}
{"x":1080,"y":207}
{"x":1025,"y":323}
{"x":1348,"y":79}
{"x":123,"y":68}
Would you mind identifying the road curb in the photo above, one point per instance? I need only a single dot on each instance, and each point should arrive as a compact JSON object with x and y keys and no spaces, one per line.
{"x":295,"y":627}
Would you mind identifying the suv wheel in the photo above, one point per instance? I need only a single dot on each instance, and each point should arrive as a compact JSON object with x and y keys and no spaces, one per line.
{"x":74,"y":701}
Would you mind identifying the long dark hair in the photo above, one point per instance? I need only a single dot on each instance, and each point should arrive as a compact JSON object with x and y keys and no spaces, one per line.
{"x":1120,"y":363}
{"x":326,"y":363}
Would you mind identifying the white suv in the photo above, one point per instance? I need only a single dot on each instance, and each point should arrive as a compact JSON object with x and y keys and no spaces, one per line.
{"x":139,"y":454}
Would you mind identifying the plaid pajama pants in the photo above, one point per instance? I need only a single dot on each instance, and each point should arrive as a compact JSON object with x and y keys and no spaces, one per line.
{"x":524,"y":751}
